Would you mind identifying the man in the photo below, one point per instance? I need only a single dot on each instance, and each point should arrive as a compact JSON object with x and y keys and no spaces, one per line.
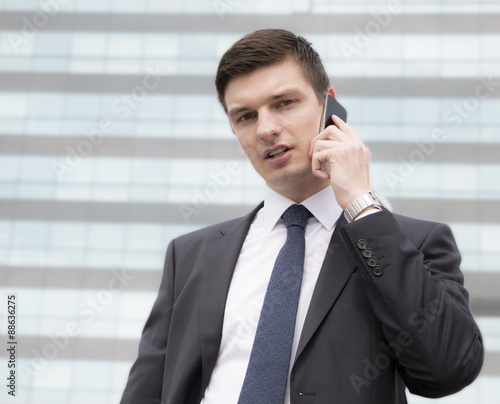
{"x":382,"y":303}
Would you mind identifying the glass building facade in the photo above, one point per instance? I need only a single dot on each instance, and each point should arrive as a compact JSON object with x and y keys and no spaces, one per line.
{"x":112,"y":142}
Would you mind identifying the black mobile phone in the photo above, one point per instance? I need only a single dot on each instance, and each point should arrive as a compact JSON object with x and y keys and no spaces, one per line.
{"x":332,"y":107}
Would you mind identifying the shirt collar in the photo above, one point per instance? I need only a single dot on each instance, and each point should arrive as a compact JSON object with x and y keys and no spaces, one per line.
{"x":322,"y":205}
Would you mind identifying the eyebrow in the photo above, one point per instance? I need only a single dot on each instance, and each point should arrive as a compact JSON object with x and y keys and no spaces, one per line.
{"x":236,"y":111}
{"x":287,"y":92}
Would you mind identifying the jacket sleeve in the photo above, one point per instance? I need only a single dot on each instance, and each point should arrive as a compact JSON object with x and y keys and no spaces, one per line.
{"x":415,"y":286}
{"x":144,"y":385}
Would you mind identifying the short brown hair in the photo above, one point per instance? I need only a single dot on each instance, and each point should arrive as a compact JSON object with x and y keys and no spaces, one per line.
{"x":267,"y":47}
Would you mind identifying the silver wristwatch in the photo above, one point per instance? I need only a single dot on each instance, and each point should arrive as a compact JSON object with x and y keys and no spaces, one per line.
{"x":360,"y":204}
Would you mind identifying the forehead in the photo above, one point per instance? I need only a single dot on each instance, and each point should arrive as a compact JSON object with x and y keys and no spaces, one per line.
{"x":265,"y":83}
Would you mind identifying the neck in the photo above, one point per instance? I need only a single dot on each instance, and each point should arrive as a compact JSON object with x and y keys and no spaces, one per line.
{"x":301,"y":192}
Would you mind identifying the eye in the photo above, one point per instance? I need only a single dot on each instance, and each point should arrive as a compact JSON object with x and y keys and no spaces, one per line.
{"x":286,"y":103}
{"x":246,"y":117}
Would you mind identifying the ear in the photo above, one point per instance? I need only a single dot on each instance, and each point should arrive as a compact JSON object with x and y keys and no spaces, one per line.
{"x":331,"y":91}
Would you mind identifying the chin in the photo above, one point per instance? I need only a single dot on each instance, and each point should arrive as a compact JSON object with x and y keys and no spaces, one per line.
{"x":290,"y":178}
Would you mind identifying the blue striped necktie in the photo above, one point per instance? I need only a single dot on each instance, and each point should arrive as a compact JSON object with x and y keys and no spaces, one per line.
{"x":267,"y":372}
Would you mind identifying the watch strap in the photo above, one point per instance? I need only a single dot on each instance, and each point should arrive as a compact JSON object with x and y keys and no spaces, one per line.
{"x":360,"y":204}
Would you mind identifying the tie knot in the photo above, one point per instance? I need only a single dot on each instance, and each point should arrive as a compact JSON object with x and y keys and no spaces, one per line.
{"x":296,"y":215}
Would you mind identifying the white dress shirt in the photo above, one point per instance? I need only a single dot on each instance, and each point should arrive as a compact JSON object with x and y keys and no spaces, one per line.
{"x":265,"y":238}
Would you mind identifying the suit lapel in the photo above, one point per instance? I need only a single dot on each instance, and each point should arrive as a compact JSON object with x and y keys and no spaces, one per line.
{"x":221,"y":255}
{"x":336,"y":269}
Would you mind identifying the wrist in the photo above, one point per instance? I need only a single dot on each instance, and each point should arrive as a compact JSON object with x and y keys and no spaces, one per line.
{"x":345,"y":200}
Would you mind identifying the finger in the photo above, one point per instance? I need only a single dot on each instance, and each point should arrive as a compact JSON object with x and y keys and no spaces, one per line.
{"x":317,"y":163}
{"x":320,"y":136}
{"x":342,"y":126}
{"x":330,"y":133}
{"x":319,"y":171}
{"x":327,"y":144}
{"x":339,"y":122}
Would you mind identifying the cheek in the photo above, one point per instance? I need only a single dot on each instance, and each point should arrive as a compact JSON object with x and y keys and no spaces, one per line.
{"x":308,"y":123}
{"x":248,"y":149}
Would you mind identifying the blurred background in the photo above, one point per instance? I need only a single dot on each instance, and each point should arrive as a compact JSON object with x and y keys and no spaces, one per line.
{"x":112,"y":143}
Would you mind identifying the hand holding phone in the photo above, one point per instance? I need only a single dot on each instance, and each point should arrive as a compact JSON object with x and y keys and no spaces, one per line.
{"x":349,"y":177}
{"x":332,"y":107}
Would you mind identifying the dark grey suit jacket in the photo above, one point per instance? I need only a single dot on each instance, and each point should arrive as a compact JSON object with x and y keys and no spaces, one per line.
{"x":389,"y":310}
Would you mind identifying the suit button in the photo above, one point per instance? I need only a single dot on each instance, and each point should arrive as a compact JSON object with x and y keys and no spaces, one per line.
{"x":377,"y":271}
{"x":367,"y":252}
{"x":362,"y":244}
{"x":372,"y":261}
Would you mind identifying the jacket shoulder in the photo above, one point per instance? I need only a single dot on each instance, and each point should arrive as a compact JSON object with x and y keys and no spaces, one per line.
{"x":217,"y":229}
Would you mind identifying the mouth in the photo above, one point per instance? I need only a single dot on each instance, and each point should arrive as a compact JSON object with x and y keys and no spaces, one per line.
{"x":276,"y":152}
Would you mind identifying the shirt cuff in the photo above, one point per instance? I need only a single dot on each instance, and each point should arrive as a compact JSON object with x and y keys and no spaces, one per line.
{"x":368,"y":213}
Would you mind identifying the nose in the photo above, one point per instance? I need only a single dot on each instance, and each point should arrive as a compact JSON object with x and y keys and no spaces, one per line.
{"x":268,"y":125}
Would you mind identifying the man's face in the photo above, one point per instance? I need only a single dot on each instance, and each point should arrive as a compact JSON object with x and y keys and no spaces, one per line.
{"x":275,"y":114}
